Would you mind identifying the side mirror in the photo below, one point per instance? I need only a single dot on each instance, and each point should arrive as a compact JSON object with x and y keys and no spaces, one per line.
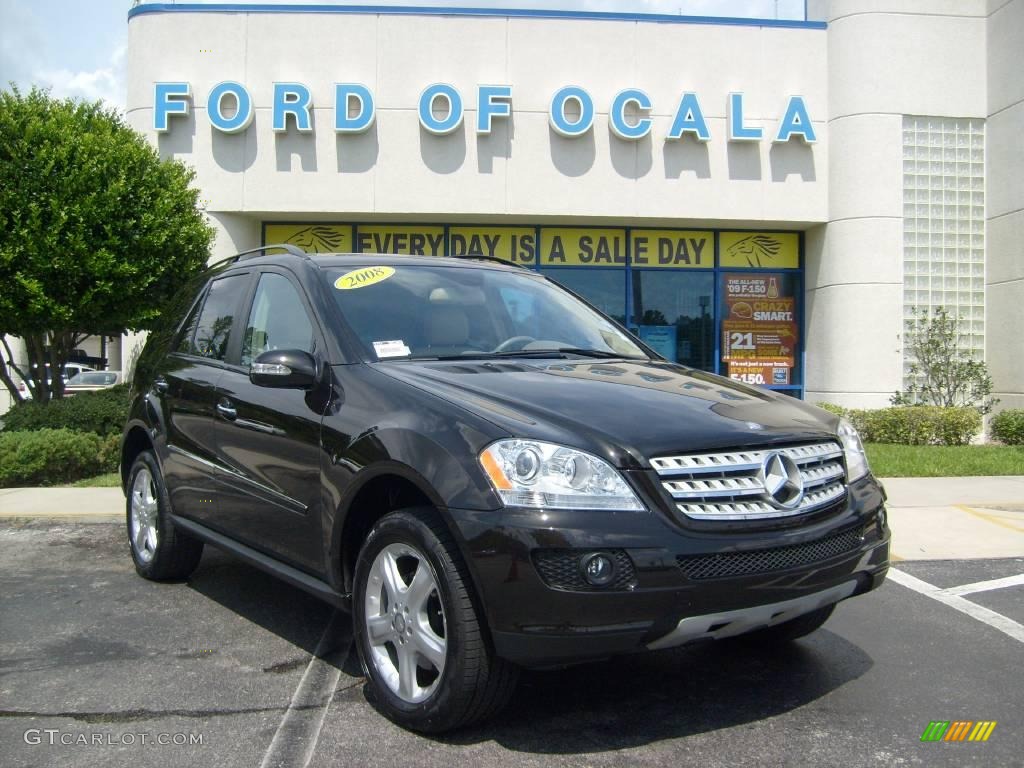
{"x":284,"y":369}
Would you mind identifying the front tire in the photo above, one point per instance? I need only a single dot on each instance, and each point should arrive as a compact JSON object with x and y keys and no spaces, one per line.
{"x":160,"y":551}
{"x":428,"y":661}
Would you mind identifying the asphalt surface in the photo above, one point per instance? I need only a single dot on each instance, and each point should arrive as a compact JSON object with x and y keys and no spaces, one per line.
{"x":97,"y":666}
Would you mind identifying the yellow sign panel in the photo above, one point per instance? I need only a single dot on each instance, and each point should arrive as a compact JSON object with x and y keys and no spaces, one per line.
{"x":564,"y":246}
{"x":515,"y":244}
{"x":410,"y":239}
{"x":312,"y":238}
{"x":672,"y":248}
{"x":362,"y":277}
{"x":769,"y":250}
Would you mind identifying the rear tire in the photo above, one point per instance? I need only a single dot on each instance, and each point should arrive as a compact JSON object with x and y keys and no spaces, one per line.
{"x":160,"y":551}
{"x":427,"y":658}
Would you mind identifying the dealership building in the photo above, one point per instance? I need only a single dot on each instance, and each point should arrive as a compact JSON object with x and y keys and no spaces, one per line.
{"x":771,"y":200}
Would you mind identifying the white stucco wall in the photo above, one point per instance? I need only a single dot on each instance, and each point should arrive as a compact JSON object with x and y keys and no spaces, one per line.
{"x":523,"y":169}
{"x":886,"y":59}
{"x":1004,"y":276}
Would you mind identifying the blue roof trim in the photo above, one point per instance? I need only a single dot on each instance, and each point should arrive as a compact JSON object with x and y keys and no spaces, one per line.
{"x":413,"y":10}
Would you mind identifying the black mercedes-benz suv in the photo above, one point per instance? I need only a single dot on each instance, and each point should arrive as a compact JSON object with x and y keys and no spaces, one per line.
{"x":485,"y":470}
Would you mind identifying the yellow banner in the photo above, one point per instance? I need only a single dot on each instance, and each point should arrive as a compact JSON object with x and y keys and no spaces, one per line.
{"x":411,"y":239}
{"x":515,"y":244}
{"x":769,"y":250}
{"x":312,"y":238}
{"x":563,"y":246}
{"x":672,"y":248}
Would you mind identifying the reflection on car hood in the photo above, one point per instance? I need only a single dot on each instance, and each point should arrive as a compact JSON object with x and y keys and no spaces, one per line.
{"x":628,"y":411}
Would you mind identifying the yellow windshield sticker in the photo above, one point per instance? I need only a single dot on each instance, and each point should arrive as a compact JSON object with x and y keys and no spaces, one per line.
{"x":362,"y":277}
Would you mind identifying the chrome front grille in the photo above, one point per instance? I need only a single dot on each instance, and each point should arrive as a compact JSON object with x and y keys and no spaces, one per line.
{"x":732,"y":485}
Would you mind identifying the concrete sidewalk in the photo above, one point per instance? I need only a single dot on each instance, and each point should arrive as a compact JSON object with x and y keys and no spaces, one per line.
{"x":932,"y":518}
{"x":89,"y":503}
{"x":946,"y":518}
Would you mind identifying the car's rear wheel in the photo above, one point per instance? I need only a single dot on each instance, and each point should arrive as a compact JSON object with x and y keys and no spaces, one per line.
{"x":159,"y":550}
{"x":428,"y":661}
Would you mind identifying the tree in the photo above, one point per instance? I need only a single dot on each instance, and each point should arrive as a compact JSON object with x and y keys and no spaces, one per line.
{"x":941,"y":371}
{"x":96,"y":231}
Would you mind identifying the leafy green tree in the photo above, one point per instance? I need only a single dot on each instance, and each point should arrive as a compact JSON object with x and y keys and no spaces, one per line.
{"x":96,"y":231}
{"x":941,"y":372}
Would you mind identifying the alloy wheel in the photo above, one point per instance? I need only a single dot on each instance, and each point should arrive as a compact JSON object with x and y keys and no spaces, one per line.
{"x":405,"y":622}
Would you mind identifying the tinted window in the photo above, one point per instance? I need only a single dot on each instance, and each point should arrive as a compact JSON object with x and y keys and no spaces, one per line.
{"x":189,"y":330}
{"x":214,"y":326}
{"x":277,"y":320}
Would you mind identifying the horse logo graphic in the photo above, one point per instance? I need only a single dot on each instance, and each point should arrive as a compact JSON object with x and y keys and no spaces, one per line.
{"x":317,"y":239}
{"x":756,"y":250}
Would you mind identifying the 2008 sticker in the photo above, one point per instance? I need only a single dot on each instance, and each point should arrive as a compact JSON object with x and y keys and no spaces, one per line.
{"x":362,"y":277}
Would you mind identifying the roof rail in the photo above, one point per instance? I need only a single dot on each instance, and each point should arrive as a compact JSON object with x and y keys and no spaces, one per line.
{"x":495,"y":259}
{"x":293,"y":250}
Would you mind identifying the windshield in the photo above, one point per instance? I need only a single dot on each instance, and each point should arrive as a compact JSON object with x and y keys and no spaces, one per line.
{"x":450,"y":311}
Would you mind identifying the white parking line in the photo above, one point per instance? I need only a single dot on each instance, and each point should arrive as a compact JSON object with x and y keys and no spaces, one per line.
{"x":975,"y":611}
{"x":985,"y":586}
{"x":296,"y":737}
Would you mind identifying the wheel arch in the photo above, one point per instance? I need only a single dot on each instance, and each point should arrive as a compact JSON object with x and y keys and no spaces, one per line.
{"x":373,"y":493}
{"x":136,"y":439}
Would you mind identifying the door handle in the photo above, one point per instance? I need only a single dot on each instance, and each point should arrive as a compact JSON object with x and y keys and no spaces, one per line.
{"x":226,"y":410}
{"x":160,"y":384}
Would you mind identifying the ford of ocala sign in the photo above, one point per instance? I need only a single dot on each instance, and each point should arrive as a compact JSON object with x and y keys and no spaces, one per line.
{"x":229,"y":108}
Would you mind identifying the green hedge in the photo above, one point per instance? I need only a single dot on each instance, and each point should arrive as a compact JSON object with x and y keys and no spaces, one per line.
{"x":1008,"y":426}
{"x":54,"y":456}
{"x":912,"y":425}
{"x":103,"y":412}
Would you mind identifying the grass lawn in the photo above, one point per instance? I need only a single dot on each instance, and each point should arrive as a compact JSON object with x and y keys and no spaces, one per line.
{"x":109,"y":480}
{"x":945,"y":460}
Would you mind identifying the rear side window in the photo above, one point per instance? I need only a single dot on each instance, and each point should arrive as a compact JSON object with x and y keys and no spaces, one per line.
{"x":278,"y":319}
{"x":213,"y":328}
{"x":188,"y":330}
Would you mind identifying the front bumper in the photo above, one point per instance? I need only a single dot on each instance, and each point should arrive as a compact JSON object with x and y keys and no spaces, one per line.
{"x":767,"y":576}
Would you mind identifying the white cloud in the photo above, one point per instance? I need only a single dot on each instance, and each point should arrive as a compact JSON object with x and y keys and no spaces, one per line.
{"x":106,"y":83}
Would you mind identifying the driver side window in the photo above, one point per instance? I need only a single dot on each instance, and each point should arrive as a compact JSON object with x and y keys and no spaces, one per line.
{"x":277,"y":320}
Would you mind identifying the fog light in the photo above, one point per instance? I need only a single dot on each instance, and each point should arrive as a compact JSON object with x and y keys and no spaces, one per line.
{"x":598,"y":569}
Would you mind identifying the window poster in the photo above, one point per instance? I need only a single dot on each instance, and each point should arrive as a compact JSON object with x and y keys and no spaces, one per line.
{"x":759,"y":327}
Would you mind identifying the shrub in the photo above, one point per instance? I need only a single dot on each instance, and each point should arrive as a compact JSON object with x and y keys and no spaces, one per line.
{"x":956,"y":426}
{"x":103,"y":412}
{"x":917,"y":425}
{"x":942,"y":371}
{"x":1008,"y":426}
{"x":54,"y":456}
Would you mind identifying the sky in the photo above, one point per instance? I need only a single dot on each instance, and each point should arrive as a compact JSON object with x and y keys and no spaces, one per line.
{"x":77,"y":47}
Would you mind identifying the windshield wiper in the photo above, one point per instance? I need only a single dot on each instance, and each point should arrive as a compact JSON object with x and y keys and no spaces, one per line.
{"x":559,"y":352}
{"x":538,"y":353}
{"x":597,"y":353}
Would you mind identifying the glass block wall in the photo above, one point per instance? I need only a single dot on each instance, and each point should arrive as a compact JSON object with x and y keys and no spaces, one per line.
{"x":944,"y":223}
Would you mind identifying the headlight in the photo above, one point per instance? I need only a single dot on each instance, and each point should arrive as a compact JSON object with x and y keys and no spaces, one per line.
{"x":528,"y":473}
{"x":853,"y":448}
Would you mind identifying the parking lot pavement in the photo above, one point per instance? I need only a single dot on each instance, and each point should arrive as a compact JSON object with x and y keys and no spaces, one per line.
{"x":97,"y":666}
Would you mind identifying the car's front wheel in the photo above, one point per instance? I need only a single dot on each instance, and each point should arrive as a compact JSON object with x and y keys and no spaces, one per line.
{"x":160,"y":551}
{"x":427,"y":659}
